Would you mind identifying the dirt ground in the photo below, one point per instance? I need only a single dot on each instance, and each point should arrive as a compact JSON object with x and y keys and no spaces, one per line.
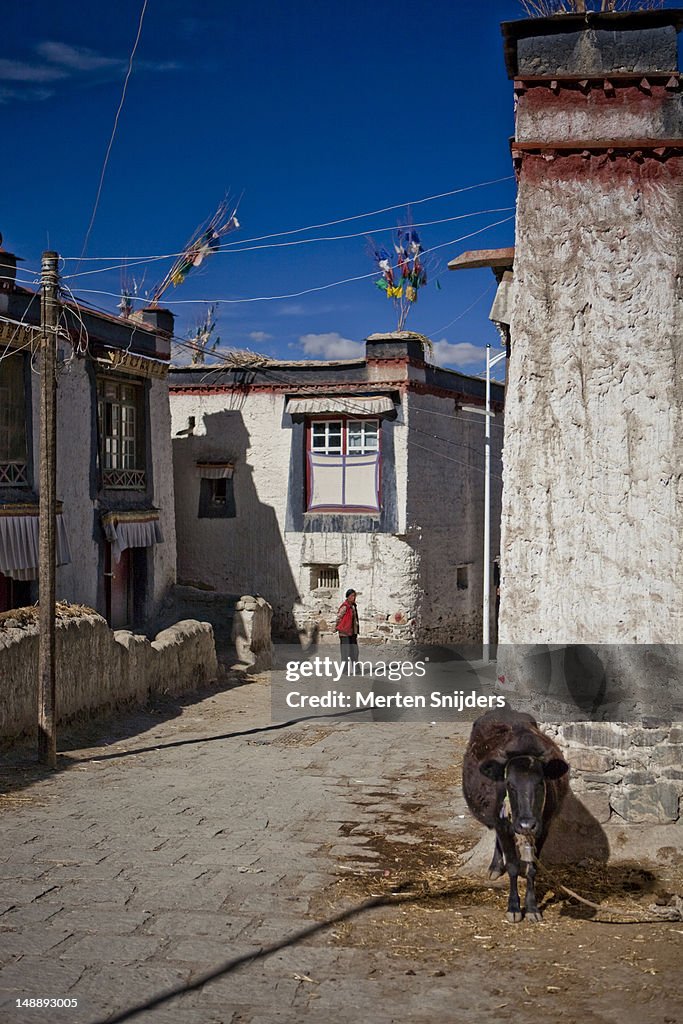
{"x":621,"y":963}
{"x":438,"y":948}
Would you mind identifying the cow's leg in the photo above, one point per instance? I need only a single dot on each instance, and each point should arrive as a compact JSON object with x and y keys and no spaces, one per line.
{"x":531,"y":911}
{"x":497,"y":865}
{"x":509,"y":850}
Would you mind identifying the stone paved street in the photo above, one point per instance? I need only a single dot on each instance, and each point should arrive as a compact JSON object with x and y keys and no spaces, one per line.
{"x":165,"y":846}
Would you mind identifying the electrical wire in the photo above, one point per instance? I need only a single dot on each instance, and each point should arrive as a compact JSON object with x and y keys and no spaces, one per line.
{"x":19,"y":324}
{"x":309,"y":227}
{"x":450,"y":458}
{"x":438,"y":330}
{"x":301,"y":241}
{"x":113,"y":132}
{"x":305,"y":291}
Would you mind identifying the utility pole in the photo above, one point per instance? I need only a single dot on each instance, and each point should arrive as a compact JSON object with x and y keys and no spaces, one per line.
{"x":488,"y":414}
{"x":49,"y":311}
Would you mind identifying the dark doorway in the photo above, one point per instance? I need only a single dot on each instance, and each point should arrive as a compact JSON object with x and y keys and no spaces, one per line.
{"x":14,"y":593}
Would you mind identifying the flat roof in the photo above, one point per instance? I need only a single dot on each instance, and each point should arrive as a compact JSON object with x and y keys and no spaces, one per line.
{"x":474,"y":259}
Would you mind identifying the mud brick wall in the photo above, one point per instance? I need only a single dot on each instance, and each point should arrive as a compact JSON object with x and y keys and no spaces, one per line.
{"x":98,"y":670}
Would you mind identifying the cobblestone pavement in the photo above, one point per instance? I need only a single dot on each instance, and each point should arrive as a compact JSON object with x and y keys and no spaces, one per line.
{"x":165,"y":846}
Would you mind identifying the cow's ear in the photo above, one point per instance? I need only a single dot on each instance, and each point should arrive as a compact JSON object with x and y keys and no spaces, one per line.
{"x":555,"y":769}
{"x":493,"y":769}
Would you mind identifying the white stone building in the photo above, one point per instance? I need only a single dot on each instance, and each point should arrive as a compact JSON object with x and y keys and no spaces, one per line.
{"x":297,"y":481}
{"x":116,"y":534}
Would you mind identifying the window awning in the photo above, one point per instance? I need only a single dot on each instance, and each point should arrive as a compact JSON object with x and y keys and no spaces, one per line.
{"x":352,"y":405}
{"x":137,"y":529}
{"x":20,"y":545}
{"x":215,"y":470}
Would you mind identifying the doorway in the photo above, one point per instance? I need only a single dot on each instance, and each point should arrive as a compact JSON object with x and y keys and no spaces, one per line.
{"x":118,"y":589}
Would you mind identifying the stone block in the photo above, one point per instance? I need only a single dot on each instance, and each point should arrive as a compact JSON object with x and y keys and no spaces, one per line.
{"x":667,"y":755}
{"x":251,"y":633}
{"x":598,"y":51}
{"x":648,"y":737}
{"x":612,"y":735}
{"x":602,"y":778}
{"x":639,"y":778}
{"x":584,"y":760}
{"x":597,"y":804}
{"x":654,"y":804}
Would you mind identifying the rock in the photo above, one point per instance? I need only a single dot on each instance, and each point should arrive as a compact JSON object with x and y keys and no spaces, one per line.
{"x":639,"y":778}
{"x":667,"y":755}
{"x":585,"y":760}
{"x":656,"y":803}
{"x":251,"y":633}
{"x":597,"y":804}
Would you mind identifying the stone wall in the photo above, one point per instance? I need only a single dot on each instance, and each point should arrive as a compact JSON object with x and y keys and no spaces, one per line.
{"x":98,"y":670}
{"x":622,"y":771}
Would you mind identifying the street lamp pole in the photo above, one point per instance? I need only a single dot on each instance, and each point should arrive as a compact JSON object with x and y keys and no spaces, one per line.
{"x":488,"y":415}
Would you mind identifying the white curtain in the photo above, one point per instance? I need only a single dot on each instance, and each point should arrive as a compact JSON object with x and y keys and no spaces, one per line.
{"x":128,"y":532}
{"x":19,"y":545}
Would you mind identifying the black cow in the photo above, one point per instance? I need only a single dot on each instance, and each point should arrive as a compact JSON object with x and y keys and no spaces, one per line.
{"x":514,"y":780}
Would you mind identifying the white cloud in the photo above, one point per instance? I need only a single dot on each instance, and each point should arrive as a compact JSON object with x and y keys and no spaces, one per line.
{"x":75,"y":58}
{"x":20,"y":71}
{"x":460,"y":354}
{"x":10,"y":95}
{"x":58,"y":61}
{"x":331,"y":346}
{"x":259,"y":336}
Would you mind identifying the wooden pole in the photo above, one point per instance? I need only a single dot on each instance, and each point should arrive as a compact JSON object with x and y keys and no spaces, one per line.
{"x":47,"y":731}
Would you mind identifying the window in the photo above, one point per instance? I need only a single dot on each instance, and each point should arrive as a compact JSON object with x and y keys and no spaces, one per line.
{"x":363,"y":436}
{"x":121,"y":422}
{"x":343,"y":466}
{"x":217,"y":498}
{"x":324,"y":577}
{"x":462,"y":577}
{"x":13,"y":450}
{"x":326,"y":436}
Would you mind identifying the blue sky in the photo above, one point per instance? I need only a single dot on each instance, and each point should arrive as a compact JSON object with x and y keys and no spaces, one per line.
{"x":314,"y":111}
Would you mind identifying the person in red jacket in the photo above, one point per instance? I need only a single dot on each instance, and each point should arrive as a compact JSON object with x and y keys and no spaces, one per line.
{"x":347,"y":627}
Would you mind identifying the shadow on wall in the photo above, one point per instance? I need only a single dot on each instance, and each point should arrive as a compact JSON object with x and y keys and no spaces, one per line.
{"x":232,"y":544}
{"x":575,"y":835}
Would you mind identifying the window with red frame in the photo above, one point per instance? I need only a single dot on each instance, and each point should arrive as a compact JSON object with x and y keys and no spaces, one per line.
{"x":343,"y":465}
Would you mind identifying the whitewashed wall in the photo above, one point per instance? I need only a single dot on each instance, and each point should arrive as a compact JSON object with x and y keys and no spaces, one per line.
{"x":405,"y":580}
{"x":592,"y":503}
{"x":79,"y":581}
{"x":446,"y":511}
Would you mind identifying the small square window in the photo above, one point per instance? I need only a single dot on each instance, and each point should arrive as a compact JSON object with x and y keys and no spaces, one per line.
{"x":217,"y":499}
{"x":324,"y":577}
{"x":462,"y":577}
